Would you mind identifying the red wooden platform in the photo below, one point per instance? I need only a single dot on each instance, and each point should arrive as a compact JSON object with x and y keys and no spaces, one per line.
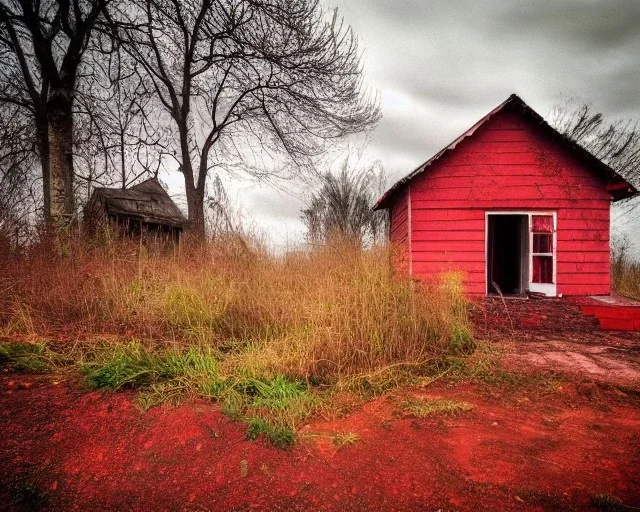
{"x":614,"y":312}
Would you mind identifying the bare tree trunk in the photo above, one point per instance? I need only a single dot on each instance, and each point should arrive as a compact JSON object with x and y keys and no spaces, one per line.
{"x":42,"y":140}
{"x":123,"y":169}
{"x":194,"y":190}
{"x":196,"y":213}
{"x":60,"y":120}
{"x":195,"y":203}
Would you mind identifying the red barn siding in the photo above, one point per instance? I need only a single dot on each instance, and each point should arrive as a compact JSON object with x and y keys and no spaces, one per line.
{"x":508,"y":164}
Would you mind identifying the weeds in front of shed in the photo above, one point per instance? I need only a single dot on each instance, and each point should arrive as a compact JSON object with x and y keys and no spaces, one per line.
{"x":267,"y":336}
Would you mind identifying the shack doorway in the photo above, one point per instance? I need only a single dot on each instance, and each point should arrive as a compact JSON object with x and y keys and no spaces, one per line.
{"x":507,"y":254}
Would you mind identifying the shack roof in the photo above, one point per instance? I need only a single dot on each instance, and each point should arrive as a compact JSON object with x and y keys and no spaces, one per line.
{"x":623,"y":188}
{"x":147,"y":201}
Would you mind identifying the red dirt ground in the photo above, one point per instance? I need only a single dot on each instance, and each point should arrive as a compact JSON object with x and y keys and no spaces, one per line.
{"x":533,"y":447}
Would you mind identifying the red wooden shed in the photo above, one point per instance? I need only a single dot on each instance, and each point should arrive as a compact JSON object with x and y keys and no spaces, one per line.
{"x":513,"y":204}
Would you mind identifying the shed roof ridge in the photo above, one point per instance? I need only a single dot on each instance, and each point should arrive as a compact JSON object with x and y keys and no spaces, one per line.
{"x":512,"y":99}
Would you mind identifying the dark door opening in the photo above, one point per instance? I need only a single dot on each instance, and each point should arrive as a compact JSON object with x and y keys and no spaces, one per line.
{"x":507,"y":256}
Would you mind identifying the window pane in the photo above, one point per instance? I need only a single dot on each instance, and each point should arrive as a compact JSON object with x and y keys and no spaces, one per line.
{"x":542,"y":224}
{"x":542,"y":243}
{"x":543,"y":269}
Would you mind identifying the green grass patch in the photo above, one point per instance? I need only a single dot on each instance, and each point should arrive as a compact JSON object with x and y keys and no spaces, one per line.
{"x":26,"y":357}
{"x":279,"y":436}
{"x":136,"y":366}
{"x":461,"y":341}
{"x":427,"y":406}
{"x":273,"y":406}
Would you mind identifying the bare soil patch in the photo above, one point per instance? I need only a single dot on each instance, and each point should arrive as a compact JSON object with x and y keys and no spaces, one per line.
{"x":610,"y":359}
{"x":552,"y":334}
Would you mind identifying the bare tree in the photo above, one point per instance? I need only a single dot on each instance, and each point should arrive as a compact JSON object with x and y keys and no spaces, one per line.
{"x":120,"y":137}
{"x":19,"y":197}
{"x":247,"y":77}
{"x":617,"y":143}
{"x":344,"y":207}
{"x":42,"y":44}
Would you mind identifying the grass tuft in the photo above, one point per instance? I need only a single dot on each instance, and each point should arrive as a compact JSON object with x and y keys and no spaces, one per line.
{"x":280,"y":437}
{"x":346,"y":439}
{"x":422,"y":407}
{"x":26,"y":357}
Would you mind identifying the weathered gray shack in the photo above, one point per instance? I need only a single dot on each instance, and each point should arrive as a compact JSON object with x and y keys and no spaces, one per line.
{"x":142,"y":210}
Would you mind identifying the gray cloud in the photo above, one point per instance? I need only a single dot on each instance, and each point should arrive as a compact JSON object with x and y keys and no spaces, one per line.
{"x":440,"y":65}
{"x":452,"y":61}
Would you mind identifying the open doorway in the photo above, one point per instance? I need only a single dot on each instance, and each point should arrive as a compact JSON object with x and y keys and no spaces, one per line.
{"x":507,"y":254}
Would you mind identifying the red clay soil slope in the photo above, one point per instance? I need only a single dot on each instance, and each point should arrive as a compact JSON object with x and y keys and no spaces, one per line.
{"x":553,"y":447}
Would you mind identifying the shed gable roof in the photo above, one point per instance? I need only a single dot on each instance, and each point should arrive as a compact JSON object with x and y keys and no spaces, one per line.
{"x":146,"y":201}
{"x":622,"y":190}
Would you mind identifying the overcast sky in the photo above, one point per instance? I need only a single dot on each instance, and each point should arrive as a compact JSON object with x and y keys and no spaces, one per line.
{"x":441,"y":65}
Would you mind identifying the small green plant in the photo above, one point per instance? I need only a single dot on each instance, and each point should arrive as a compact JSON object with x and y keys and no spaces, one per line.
{"x":346,"y":439}
{"x":280,"y":437}
{"x":277,"y":393}
{"x":426,"y":406}
{"x":234,"y":403}
{"x":120,"y":366}
{"x":136,"y":366}
{"x":461,"y":341}
{"x":26,"y":357}
{"x":282,"y":401}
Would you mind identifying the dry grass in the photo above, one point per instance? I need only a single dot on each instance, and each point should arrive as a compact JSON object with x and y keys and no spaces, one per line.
{"x":321,"y":316}
{"x":267,"y":336}
{"x":421,"y":407}
{"x":625,"y":277}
